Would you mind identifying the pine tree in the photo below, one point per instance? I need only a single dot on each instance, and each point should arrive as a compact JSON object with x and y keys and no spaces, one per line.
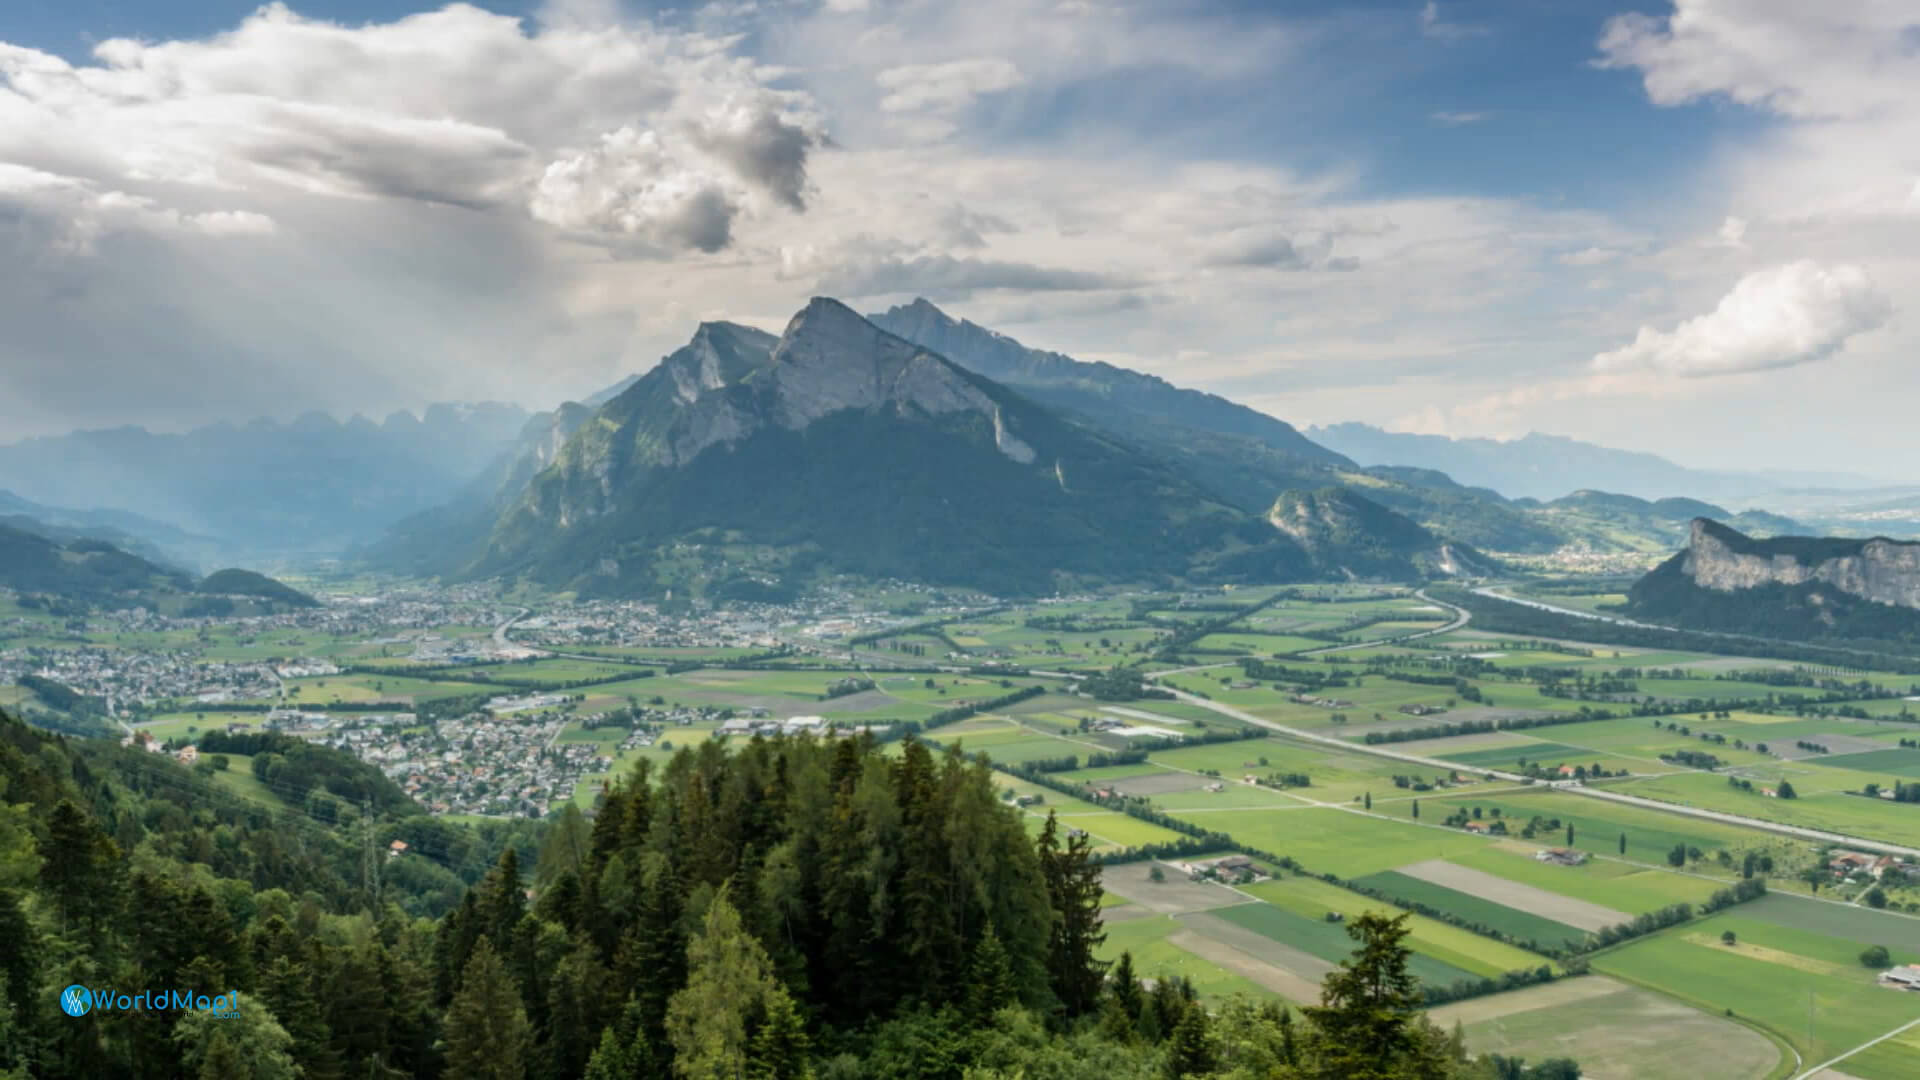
{"x":1190,"y":1048}
{"x":779,"y":1048}
{"x":487,"y":1033}
{"x":1367,"y":1004}
{"x":990,"y":985}
{"x":1073,"y":888}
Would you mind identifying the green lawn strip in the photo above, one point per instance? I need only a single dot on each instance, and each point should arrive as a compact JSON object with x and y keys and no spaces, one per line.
{"x":1897,"y":762}
{"x":1520,"y":925}
{"x":1899,"y":933}
{"x":1332,"y":840}
{"x":1550,"y":752}
{"x":1156,"y":957}
{"x":1328,"y":941}
{"x":1312,"y":898}
{"x":1618,"y":885}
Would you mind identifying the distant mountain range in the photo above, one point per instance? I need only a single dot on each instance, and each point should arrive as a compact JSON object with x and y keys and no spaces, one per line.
{"x":66,"y":572}
{"x":1792,"y":587}
{"x":265,"y":489}
{"x":1549,"y":466}
{"x":744,"y":461}
{"x":907,"y":444}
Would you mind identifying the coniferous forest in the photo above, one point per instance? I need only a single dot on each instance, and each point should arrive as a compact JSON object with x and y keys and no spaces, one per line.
{"x":794,"y":908}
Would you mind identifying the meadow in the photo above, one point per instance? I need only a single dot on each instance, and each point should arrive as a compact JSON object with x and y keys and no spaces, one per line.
{"x":1516,"y":924}
{"x":1311,"y":898}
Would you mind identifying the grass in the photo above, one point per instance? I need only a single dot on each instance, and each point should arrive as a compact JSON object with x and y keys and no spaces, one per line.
{"x":1787,"y":992}
{"x":1617,"y":885}
{"x":1617,"y":1031}
{"x":1313,"y":898}
{"x":1520,"y":925}
{"x":1898,"y":762}
{"x":1117,"y":828}
{"x":1327,"y":940}
{"x":1822,"y":803}
{"x":1156,"y":957}
{"x":1328,"y":839}
{"x":1899,"y":933}
{"x":1597,"y":825}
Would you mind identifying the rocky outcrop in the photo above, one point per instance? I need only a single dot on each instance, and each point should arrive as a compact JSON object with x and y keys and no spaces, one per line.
{"x":1881,"y":570}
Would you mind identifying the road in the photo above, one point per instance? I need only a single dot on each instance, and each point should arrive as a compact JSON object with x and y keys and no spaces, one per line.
{"x":1581,"y":789}
{"x":1807,"y":1074}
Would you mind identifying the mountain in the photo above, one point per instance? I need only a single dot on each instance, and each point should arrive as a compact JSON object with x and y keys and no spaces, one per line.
{"x":1786,"y":586}
{"x":1361,"y":538}
{"x":155,"y":541}
{"x":1098,"y":389}
{"x":1245,"y":456}
{"x":841,"y":447}
{"x":81,"y":569}
{"x":1608,"y":520}
{"x":1549,"y":466}
{"x":454,"y":533}
{"x":313,"y":485}
{"x":234,"y":582}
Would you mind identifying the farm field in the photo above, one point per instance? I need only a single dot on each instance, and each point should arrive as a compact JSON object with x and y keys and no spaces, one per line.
{"x":1597,"y":825}
{"x":1615,"y":1030}
{"x":1156,"y":956}
{"x":1517,"y":924}
{"x":1895,"y":762}
{"x":1624,"y":886}
{"x":1768,"y":977}
{"x":1899,"y":933}
{"x":1312,"y":898}
{"x":1326,"y":940}
{"x":364,"y":688}
{"x":1821,"y":804}
{"x":186,"y":724}
{"x":1332,"y":840}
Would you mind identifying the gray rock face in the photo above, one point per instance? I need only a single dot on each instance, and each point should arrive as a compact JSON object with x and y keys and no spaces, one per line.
{"x":828,"y":360}
{"x":1886,"y":571}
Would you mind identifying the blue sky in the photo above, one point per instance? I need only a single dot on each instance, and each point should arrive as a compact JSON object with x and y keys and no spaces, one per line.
{"x":1479,"y":217}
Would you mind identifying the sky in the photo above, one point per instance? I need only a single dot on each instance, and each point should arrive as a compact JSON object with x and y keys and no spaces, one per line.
{"x":1689,"y":227}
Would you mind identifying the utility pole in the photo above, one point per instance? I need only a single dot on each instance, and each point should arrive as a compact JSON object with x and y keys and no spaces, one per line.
{"x":369,"y":858}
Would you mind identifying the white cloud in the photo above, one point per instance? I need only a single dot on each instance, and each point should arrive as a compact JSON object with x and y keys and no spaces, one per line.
{"x":457,"y":106}
{"x":1794,"y":314}
{"x":1840,"y":58}
{"x":1457,"y":119}
{"x":1439,"y":29}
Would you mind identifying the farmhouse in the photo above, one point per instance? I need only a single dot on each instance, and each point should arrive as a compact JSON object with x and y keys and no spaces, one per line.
{"x":1479,"y":826}
{"x":187,"y":755}
{"x":1849,"y":862}
{"x":1905,"y":977}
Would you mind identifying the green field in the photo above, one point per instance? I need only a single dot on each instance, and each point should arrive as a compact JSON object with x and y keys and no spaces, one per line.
{"x":1616,"y":1031}
{"x":1327,"y":940}
{"x":1156,"y":957}
{"x":1516,"y":924}
{"x":1900,"y":933}
{"x":1896,"y":762}
{"x":1618,"y":885}
{"x":1767,"y":979}
{"x":1312,"y":898}
{"x":1597,"y":825}
{"x":1327,"y":839}
{"x":1823,"y":802}
{"x":1552,"y":753}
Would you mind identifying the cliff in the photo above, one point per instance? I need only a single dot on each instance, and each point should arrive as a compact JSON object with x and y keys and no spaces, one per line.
{"x":1786,"y":586}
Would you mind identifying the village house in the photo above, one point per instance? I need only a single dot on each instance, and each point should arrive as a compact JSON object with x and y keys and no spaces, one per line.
{"x":1851,"y":862}
{"x":187,"y":755}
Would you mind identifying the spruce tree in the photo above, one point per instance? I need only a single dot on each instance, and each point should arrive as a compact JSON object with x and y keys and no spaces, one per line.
{"x":1367,"y":1004}
{"x":487,"y":1033}
{"x":1190,"y":1048}
{"x":1073,"y":888}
